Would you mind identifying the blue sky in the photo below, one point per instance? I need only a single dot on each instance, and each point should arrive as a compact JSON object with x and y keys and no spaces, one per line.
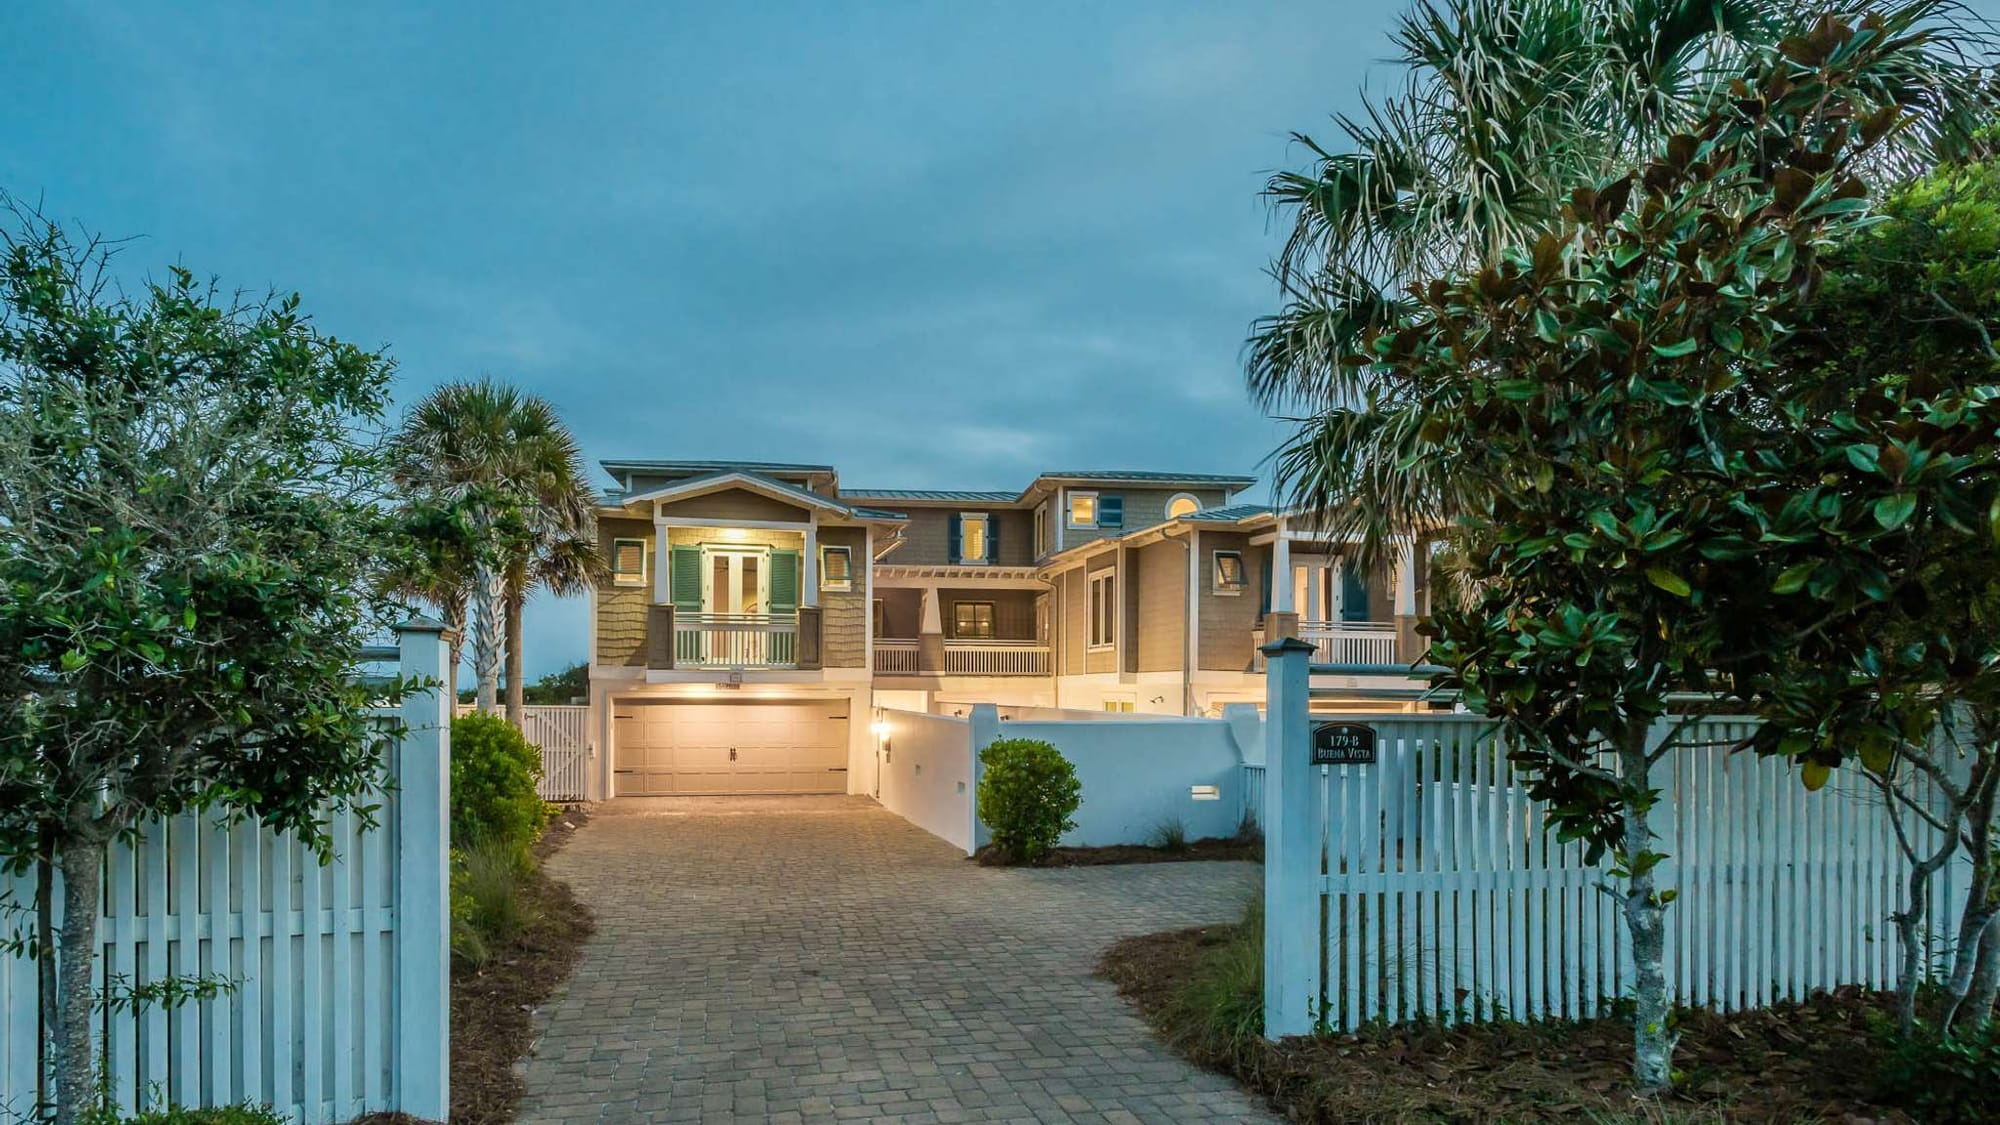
{"x":934,"y":245}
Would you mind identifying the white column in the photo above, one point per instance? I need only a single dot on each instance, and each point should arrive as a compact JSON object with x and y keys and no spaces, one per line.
{"x":423,"y":879}
{"x":1291,"y":843}
{"x":661,"y":558}
{"x":867,"y":564}
{"x":1406,"y":579}
{"x":809,"y":569}
{"x":933,"y":617}
{"x":1281,"y":571}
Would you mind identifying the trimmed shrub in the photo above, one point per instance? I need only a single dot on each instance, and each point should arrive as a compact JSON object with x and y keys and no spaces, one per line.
{"x":1947,"y":1081}
{"x":493,"y":774}
{"x":1027,"y":796}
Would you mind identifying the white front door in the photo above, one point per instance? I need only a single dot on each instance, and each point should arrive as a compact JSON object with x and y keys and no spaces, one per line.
{"x":1314,"y":595}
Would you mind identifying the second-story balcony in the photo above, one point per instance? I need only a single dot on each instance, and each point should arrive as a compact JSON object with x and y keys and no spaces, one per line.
{"x":906,"y":656}
{"x":736,"y":640}
{"x":1350,"y":642}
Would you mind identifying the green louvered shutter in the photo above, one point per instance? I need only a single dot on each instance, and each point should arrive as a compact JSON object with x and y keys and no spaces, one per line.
{"x":957,"y":539}
{"x":993,"y":537}
{"x":1111,"y":511}
{"x":684,"y":579}
{"x":1353,"y":593}
{"x":784,"y":581}
{"x":1264,"y":588}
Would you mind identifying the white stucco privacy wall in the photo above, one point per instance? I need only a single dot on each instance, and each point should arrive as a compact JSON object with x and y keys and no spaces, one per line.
{"x":1142,"y":771}
{"x":927,"y":773}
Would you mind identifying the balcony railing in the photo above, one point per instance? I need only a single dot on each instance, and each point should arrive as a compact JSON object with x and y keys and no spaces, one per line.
{"x":1350,"y":642}
{"x":996,"y":658}
{"x":897,"y":655}
{"x":736,"y":640}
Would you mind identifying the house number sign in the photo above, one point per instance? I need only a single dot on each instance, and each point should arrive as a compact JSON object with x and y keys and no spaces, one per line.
{"x":1343,"y":744}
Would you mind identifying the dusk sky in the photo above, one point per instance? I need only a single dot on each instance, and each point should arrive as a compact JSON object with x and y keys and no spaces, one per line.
{"x":942,"y":245}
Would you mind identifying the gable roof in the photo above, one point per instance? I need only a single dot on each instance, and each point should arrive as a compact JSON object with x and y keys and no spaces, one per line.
{"x":943,"y":495}
{"x":755,"y":482}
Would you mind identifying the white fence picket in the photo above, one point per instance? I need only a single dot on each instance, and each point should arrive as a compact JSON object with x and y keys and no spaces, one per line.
{"x":1444,"y":894}
{"x":314,"y":1011}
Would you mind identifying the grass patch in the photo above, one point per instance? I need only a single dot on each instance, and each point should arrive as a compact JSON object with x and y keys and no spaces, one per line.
{"x":1202,"y":992}
{"x":1170,"y":836}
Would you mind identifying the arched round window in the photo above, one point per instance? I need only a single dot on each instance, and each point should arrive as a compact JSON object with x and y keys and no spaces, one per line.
{"x":1182,"y":505}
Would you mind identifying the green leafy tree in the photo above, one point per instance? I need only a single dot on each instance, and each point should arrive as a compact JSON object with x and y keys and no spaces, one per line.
{"x":504,"y":458}
{"x":566,"y":686}
{"x":187,"y":507}
{"x":1505,"y":107}
{"x":1884,"y":552}
{"x":1614,"y":381}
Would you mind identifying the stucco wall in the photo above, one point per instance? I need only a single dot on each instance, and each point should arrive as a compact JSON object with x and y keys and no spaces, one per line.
{"x":1138,"y":773}
{"x":621,"y":610}
{"x":926,"y":774}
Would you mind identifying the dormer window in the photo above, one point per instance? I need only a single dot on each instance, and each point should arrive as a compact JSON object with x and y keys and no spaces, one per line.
{"x":1183,"y":504}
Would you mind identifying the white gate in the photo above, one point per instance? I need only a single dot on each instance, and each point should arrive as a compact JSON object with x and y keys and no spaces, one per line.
{"x":560,"y":733}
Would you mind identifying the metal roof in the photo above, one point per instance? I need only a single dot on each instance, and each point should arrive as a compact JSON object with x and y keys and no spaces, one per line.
{"x":1147,"y":477}
{"x":1001,"y":496}
{"x":1233,"y":514}
{"x":616,"y":467}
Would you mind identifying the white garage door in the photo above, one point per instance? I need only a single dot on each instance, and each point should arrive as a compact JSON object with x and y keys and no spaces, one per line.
{"x":751,"y":747}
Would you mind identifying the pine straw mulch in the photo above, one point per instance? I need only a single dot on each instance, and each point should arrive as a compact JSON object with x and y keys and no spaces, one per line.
{"x":1214,"y":848}
{"x":1811,"y":1062}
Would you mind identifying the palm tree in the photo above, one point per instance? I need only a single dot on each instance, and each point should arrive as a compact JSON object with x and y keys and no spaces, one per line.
{"x":1509,"y":106}
{"x":507,"y":461}
{"x":436,"y":569}
{"x":565,"y":565}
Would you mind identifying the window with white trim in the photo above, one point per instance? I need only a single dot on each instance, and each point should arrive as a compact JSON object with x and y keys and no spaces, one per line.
{"x":628,"y":562}
{"x":1083,"y":509}
{"x":974,"y":540}
{"x":1041,"y":529}
{"x":1104,"y":609}
{"x":1182,"y":504}
{"x":1119,"y":706}
{"x":1230,"y":574}
{"x":836,"y":568}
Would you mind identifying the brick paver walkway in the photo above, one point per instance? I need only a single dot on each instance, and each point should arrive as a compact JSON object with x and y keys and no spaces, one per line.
{"x":820,"y":959}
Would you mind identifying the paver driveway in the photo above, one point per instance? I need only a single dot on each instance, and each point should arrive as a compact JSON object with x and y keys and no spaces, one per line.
{"x":820,"y":959}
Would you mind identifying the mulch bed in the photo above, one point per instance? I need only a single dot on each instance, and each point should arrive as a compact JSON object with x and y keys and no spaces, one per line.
{"x":1213,"y":848}
{"x":493,"y":1006}
{"x":1794,"y":1063}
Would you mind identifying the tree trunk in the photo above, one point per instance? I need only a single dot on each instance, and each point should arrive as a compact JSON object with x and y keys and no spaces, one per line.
{"x":516,"y":690}
{"x":488,"y":593}
{"x":1653,"y":1039}
{"x":76,"y":1004}
{"x":1982,"y":899}
{"x":1986,"y":982}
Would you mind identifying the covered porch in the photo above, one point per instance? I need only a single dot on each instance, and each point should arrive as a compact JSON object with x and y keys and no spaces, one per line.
{"x":960,"y":621}
{"x":1351,"y":614}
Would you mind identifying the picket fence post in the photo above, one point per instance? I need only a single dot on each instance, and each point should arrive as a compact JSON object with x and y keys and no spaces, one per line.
{"x":423,"y":905}
{"x":1292,"y":984}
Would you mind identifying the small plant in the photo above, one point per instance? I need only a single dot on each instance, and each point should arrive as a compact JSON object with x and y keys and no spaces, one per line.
{"x":1170,"y":835}
{"x":492,"y":886}
{"x":182,"y":1115}
{"x":493,"y":775}
{"x":1946,"y":1081}
{"x":1027,"y":796}
{"x":468,"y":945}
{"x":1218,"y":1010}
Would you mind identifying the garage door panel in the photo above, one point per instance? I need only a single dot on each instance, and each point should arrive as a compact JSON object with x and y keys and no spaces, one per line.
{"x":723,"y":748}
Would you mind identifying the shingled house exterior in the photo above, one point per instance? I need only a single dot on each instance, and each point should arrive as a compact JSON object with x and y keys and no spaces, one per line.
{"x":755,"y":613}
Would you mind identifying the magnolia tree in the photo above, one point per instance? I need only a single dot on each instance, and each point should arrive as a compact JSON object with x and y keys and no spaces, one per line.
{"x":186,"y":517}
{"x":1611,"y":381}
{"x":1884,"y":554}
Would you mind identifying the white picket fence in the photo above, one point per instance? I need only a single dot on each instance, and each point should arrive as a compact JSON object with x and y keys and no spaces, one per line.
{"x":1426,"y":885}
{"x":1446,"y":897}
{"x":562,"y":735}
{"x":338,"y":1002}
